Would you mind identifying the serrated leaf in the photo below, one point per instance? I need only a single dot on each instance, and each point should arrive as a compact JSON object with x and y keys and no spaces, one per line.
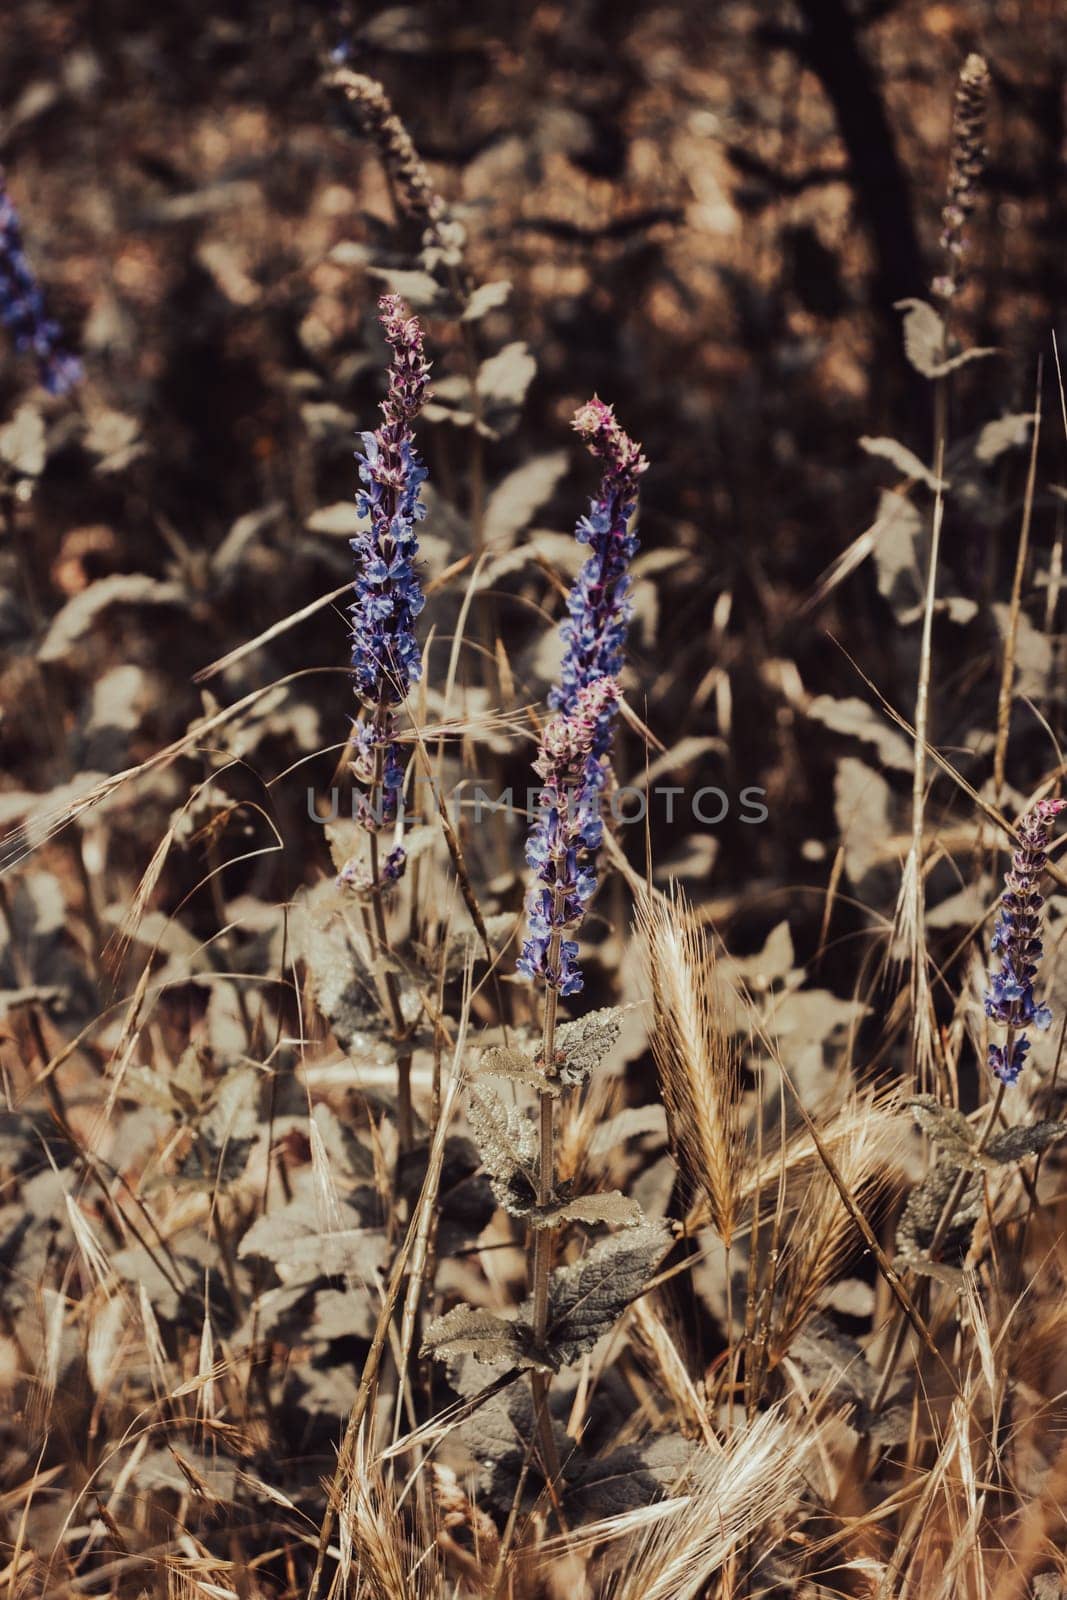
{"x":587,"y":1298}
{"x":582,"y":1045}
{"x":613,"y":1207}
{"x":1015,"y":1144}
{"x":924,"y":340}
{"x":905,"y":460}
{"x":341,"y":979}
{"x":923,"y":1213}
{"x":502,"y":1062}
{"x":1005,"y":433}
{"x":507,"y":1142}
{"x":486,"y":298}
{"x":488,"y":1338}
{"x":948,"y":1128}
{"x":838,"y":1371}
{"x":628,"y":1478}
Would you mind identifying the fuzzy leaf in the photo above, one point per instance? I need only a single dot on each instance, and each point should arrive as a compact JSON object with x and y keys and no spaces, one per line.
{"x":854,"y":716}
{"x":587,"y":1298}
{"x":614,"y":1207}
{"x":523,"y":492}
{"x":501,"y":1062}
{"x":508,"y":1144}
{"x":421,"y":292}
{"x":70,"y":625}
{"x":1015,"y":1144}
{"x":895,"y":535}
{"x":924,"y":335}
{"x":923,"y":1212}
{"x":22,"y":442}
{"x":949,"y":1129}
{"x":1005,"y":433}
{"x":343,"y":984}
{"x":862,"y":811}
{"x":582,"y":1045}
{"x":905,"y":460}
{"x":487,"y":297}
{"x":293,"y":1240}
{"x":504,"y":379}
{"x":341,"y":519}
{"x":466,"y":1331}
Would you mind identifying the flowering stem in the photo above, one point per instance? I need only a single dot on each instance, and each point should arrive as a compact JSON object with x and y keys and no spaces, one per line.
{"x":542,"y":1237}
{"x":405,"y":1125}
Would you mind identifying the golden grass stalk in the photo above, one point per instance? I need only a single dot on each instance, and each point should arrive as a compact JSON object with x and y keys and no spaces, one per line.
{"x":697,"y":1058}
{"x":822,"y":1232}
{"x":676,"y":1545}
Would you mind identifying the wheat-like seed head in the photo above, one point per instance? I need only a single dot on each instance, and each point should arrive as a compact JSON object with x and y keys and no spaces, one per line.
{"x":698,"y":1060}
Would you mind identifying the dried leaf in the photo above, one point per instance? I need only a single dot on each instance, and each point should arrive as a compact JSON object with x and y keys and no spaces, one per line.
{"x":487,"y":297}
{"x":582,"y":1045}
{"x":895,"y":535}
{"x":854,"y":716}
{"x":22,"y":442}
{"x":587,"y":1298}
{"x":73,"y":622}
{"x":924,"y":341}
{"x":421,"y":292}
{"x":504,"y":379}
{"x":293,"y":1240}
{"x":949,"y":1129}
{"x":905,"y":460}
{"x":1004,"y":434}
{"x":614,"y":1207}
{"x":514,"y":502}
{"x":923,"y":1213}
{"x":466,"y":1331}
{"x":1015,"y":1144}
{"x":502,"y":1062}
{"x":861,"y":808}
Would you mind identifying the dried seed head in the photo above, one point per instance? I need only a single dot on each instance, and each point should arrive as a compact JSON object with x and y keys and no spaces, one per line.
{"x":414,"y":188}
{"x":966,"y":168}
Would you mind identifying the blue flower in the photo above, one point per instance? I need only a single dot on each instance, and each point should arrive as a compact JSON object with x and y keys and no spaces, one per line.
{"x":23,"y":310}
{"x":561,"y":847}
{"x":599,"y":606}
{"x":386,"y":660}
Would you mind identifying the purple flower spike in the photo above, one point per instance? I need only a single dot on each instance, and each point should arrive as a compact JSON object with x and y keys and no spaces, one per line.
{"x":599,"y":604}
{"x":1016,"y":939}
{"x":563,"y":840}
{"x":574,"y":759}
{"x":385,"y":653}
{"x":23,"y":310}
